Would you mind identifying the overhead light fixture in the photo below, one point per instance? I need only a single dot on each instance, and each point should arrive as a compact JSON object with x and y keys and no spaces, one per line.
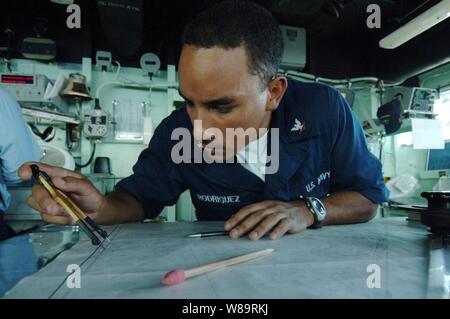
{"x":416,"y":26}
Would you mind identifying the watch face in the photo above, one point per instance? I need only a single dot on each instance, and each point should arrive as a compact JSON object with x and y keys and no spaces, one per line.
{"x":318,"y":208}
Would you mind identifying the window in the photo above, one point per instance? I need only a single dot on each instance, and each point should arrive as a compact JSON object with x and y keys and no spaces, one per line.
{"x":442,"y":109}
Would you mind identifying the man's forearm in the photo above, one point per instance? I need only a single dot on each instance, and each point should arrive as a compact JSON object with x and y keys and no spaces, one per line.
{"x":348,"y":208}
{"x":118,"y":208}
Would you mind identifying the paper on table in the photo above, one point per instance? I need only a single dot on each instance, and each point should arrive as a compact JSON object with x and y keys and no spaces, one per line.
{"x":427,"y":134}
{"x":140,"y":254}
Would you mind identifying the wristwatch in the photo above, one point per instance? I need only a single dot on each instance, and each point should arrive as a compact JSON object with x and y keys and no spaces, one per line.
{"x":317,"y":208}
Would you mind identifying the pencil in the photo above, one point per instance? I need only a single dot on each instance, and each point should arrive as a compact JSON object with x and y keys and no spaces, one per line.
{"x":208,"y":234}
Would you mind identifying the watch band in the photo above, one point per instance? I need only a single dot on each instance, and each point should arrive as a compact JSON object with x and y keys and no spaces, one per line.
{"x":319,"y":216}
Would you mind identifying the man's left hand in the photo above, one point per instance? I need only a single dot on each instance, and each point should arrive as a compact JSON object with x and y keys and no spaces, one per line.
{"x":274,"y":218}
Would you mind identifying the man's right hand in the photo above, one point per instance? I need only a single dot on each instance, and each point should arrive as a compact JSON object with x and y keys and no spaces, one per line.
{"x":75,"y":185}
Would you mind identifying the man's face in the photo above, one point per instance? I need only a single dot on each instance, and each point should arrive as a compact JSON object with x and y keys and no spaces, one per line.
{"x":220,"y":91}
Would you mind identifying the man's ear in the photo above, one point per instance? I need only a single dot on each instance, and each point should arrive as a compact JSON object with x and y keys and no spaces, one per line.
{"x":276,"y":89}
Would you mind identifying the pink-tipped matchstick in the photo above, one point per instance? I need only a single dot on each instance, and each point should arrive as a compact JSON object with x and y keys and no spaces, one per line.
{"x":174,"y":277}
{"x":177,"y":276}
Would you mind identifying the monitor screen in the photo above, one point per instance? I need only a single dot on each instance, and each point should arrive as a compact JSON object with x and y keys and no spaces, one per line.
{"x":439,"y":159}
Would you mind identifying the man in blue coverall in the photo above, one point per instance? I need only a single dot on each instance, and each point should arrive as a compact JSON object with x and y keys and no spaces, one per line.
{"x":17,"y":146}
{"x":228,"y":67}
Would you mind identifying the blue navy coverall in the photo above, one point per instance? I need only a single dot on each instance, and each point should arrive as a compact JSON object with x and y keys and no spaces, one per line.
{"x":17,"y":146}
{"x":328,"y":155}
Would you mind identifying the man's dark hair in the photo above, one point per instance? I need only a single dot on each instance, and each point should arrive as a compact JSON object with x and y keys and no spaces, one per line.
{"x":231,"y":24}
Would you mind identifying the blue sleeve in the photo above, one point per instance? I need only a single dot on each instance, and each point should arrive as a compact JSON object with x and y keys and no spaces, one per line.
{"x":155,"y":182}
{"x":354,"y":167}
{"x":17,"y":143}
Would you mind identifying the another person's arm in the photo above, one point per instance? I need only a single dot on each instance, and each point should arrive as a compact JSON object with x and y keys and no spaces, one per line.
{"x":17,"y":145}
